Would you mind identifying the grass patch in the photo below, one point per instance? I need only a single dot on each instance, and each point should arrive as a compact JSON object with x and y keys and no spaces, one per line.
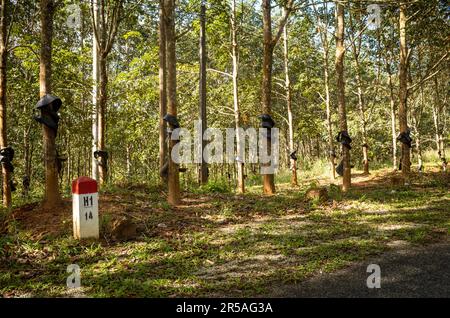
{"x":222,"y":244}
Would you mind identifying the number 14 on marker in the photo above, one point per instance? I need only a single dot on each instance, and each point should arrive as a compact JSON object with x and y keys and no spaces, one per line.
{"x":89,"y":216}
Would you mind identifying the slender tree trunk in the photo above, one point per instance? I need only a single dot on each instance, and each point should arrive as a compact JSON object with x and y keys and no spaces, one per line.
{"x":269,"y":43}
{"x":162,"y":94}
{"x":52,"y":195}
{"x":362,"y":112}
{"x":403,"y":78}
{"x":128,"y":158}
{"x":339,"y":63}
{"x":365,"y":145}
{"x":237,"y":115}
{"x":356,"y":46}
{"x":393,"y":123}
{"x":293,"y":163}
{"x":438,"y":127}
{"x":323,"y":31}
{"x":95,"y":97}
{"x":28,"y":151}
{"x":331,"y":151}
{"x":203,"y":171}
{"x":6,"y":188}
{"x":105,"y":30}
{"x":174,"y":197}
{"x":103,"y":168}
{"x":27,"y":159}
{"x":268,"y":179}
{"x":418,"y":146}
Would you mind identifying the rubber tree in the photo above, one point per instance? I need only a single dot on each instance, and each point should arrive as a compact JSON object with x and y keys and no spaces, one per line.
{"x":52,"y":196}
{"x":6,"y":173}
{"x":323,"y":25}
{"x":403,"y":81}
{"x":340,"y":85}
{"x":237,"y":114}
{"x":287,"y":86}
{"x":95,"y":96}
{"x":174,"y":197}
{"x":105,"y":30}
{"x":269,"y":43}
{"x":162,"y":94}
{"x":356,"y":45}
{"x":203,"y":169}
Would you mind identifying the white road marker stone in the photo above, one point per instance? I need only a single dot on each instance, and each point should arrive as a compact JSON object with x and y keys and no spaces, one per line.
{"x":85,"y":208}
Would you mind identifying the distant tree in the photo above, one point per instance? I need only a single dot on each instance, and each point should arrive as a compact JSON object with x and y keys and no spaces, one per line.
{"x":322,"y":26}
{"x":287,"y":85}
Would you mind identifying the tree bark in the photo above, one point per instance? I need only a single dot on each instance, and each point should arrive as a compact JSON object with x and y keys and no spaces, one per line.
{"x":438,"y":127}
{"x":102,"y":104}
{"x":323,"y":31}
{"x":174,"y":197}
{"x":266,"y":87}
{"x":162,"y":94}
{"x":52,"y":195}
{"x":105,"y":30}
{"x":268,"y":179}
{"x":237,"y":116}
{"x":418,"y":142}
{"x":339,"y":64}
{"x":95,"y":97}
{"x":362,"y":112}
{"x":356,"y":46}
{"x":203,"y":171}
{"x":287,"y":85}
{"x":6,"y":188}
{"x":403,"y":78}
{"x":393,"y":122}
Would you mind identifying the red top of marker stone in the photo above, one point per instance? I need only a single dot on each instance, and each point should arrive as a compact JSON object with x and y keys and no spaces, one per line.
{"x":84,"y":185}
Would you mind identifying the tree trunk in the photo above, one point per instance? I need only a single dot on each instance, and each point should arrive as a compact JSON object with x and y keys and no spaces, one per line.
{"x":266,"y":87}
{"x":95,"y":97}
{"x":418,"y":148}
{"x":339,"y":64}
{"x":268,"y":179}
{"x":403,"y":109}
{"x":356,"y":46}
{"x":293,"y":163}
{"x":52,"y":195}
{"x":6,"y":188}
{"x":362,"y":112}
{"x":27,"y":159}
{"x":203,"y":171}
{"x":237,"y":116}
{"x":128,"y":159}
{"x":438,"y":127}
{"x":105,"y":30}
{"x":174,"y":197}
{"x":393,"y":123}
{"x":323,"y":31}
{"x":102,"y":160}
{"x":331,"y":151}
{"x":162,"y":94}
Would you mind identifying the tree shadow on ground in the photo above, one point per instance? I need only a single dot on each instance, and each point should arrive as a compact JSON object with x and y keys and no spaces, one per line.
{"x":223,"y":244}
